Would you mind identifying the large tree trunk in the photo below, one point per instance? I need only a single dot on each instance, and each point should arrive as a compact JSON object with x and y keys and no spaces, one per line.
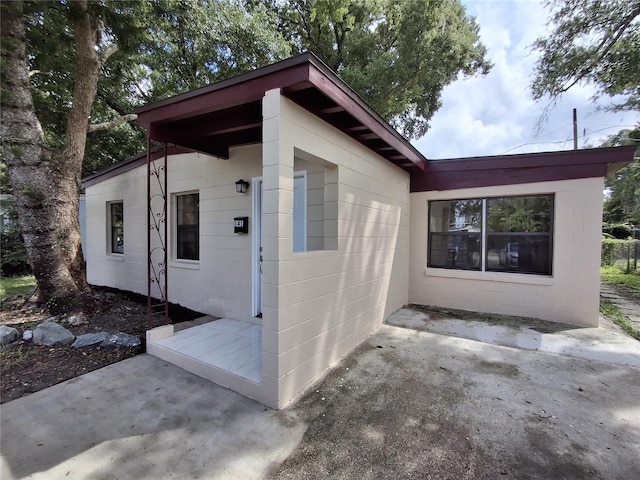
{"x":46,"y":183}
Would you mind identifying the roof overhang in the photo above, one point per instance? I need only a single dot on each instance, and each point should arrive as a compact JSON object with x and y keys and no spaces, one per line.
{"x":229,"y":113}
{"x":473,"y":172}
{"x":131,"y":163}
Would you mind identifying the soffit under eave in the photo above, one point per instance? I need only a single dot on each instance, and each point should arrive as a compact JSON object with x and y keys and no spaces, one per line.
{"x":311,"y":86}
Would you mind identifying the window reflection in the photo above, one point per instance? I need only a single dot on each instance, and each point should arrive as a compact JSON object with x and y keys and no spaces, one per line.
{"x":518,"y":235}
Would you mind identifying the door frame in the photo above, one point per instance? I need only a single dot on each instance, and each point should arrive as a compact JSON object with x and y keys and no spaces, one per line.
{"x":257,"y":237}
{"x":256,"y":245}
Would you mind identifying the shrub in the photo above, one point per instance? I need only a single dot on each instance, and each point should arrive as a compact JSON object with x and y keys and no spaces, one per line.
{"x":607,"y":251}
{"x":621,"y":231}
{"x":14,"y":255}
{"x":622,"y":253}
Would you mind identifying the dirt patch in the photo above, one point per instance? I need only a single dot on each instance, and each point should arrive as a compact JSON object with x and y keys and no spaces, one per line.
{"x":28,"y":368}
{"x":542,"y":326}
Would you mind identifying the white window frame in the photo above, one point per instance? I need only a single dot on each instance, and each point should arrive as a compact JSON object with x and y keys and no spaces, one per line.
{"x":485,"y":234}
{"x":109,"y":215}
{"x":182,"y":262}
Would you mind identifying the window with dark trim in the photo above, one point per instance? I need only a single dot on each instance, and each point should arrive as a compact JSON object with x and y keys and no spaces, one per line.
{"x":188,"y":226}
{"x":503,"y":234}
{"x":116,"y":227}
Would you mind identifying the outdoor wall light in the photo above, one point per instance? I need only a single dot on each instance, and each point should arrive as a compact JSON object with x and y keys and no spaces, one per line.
{"x":242,"y":186}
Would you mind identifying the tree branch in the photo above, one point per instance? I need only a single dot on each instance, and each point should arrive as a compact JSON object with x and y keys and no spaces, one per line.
{"x":606,"y":44}
{"x":96,"y":127}
{"x":107,"y":99}
{"x":107,"y":52}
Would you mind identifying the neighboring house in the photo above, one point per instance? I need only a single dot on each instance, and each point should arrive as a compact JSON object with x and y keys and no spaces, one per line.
{"x":7,"y":203}
{"x":339,"y":222}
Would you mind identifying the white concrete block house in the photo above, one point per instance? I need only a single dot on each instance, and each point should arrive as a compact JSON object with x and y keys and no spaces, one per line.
{"x":346,"y":222}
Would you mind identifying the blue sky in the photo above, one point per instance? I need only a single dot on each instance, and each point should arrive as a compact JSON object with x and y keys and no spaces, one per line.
{"x":496,"y":114}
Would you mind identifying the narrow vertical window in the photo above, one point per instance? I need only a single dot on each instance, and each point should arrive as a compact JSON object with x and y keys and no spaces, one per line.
{"x":188,"y":226}
{"x":116,"y":223}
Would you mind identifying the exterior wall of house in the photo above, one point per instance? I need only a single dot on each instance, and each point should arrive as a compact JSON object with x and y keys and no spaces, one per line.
{"x":570,"y":295}
{"x":319,"y":304}
{"x":220,"y":283}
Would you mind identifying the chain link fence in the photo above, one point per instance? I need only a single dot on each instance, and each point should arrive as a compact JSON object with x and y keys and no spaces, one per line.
{"x":621,"y":253}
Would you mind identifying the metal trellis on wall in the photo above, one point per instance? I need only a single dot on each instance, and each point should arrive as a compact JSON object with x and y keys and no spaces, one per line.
{"x":157,"y":287}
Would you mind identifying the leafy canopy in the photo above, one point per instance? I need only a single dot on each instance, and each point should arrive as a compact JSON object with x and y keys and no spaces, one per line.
{"x":165,"y":47}
{"x":593,"y":42}
{"x":397,"y":55}
{"x":622,"y":203}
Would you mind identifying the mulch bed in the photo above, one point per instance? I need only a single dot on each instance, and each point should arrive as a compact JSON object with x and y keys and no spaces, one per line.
{"x":28,"y":368}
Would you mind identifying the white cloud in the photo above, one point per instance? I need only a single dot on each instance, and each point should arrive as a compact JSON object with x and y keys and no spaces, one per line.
{"x":496,"y":114}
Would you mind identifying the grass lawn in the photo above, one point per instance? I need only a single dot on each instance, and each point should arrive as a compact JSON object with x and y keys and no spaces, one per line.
{"x":612,"y":275}
{"x":630,"y":282}
{"x":613,"y":313}
{"x":10,"y":286}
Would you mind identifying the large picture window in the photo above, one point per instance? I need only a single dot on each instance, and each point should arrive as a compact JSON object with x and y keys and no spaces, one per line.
{"x":116,"y":227}
{"x":188,"y":226}
{"x":510,"y":234}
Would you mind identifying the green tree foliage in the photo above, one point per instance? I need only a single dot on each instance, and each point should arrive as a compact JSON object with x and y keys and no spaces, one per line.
{"x":469,"y":210}
{"x":73,"y":68}
{"x":397,"y":55}
{"x":519,"y":214}
{"x":622,"y":202}
{"x":52,"y":49}
{"x":165,"y":47}
{"x":191,"y":44}
{"x":78,"y":67}
{"x":13,"y":255}
{"x":592,"y":42}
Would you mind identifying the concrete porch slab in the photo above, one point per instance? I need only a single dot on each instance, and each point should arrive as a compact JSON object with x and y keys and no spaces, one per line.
{"x":225,"y":351}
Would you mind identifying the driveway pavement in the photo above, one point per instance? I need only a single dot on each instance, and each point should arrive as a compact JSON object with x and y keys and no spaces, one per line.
{"x":142,"y":419}
{"x":411,"y":404}
{"x":405,"y":404}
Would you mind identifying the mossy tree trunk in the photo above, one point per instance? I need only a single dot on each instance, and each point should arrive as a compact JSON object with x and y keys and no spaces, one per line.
{"x":46,"y":181}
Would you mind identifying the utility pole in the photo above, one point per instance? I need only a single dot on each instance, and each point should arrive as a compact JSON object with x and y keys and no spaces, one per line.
{"x":575,"y":129}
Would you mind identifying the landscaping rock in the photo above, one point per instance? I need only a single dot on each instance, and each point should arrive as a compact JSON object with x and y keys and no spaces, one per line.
{"x":121,"y":340}
{"x":52,"y":335}
{"x":8,"y":335}
{"x":90,"y":339}
{"x":27,"y":335}
{"x":77,"y":320}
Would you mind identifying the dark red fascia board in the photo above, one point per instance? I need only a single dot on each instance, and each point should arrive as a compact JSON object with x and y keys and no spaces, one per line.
{"x":244,"y":78}
{"x":334,"y":88}
{"x":221,"y":98}
{"x":294,"y":74}
{"x":474,"y":172}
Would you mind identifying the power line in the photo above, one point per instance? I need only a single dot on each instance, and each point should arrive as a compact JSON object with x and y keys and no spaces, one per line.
{"x":557,"y":142}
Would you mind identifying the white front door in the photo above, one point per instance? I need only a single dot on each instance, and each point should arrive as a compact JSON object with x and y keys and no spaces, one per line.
{"x":257,"y":247}
{"x":299,"y":230}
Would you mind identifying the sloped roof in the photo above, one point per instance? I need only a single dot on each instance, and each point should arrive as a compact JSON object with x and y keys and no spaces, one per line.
{"x":523,"y":168}
{"x":227,"y":113}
